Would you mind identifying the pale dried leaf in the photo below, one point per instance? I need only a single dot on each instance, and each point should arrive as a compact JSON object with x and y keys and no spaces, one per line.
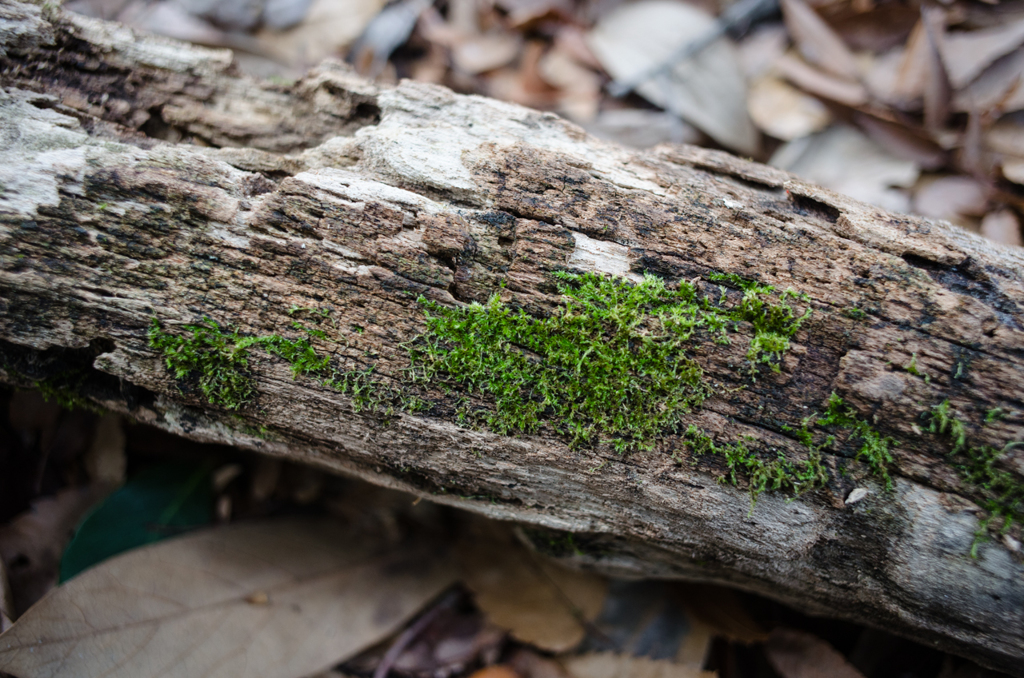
{"x":951,"y":197}
{"x":1013,"y":169}
{"x":796,"y":654}
{"x":823,"y":84}
{"x":783,"y":111}
{"x":522,"y":12}
{"x":759,"y":50}
{"x":280,"y":598}
{"x":486,"y":52}
{"x":329,"y":27}
{"x":32,"y":543}
{"x":173,"y":21}
{"x":843,"y":159}
{"x":903,"y":142}
{"x":817,"y":42}
{"x":609,"y":665}
{"x":105,"y":461}
{"x":1005,"y":137}
{"x":539,"y":601}
{"x":1000,"y":89}
{"x":1002,"y":227}
{"x":967,"y":53}
{"x":899,"y":76}
{"x":580,"y":87}
{"x":937,"y":90}
{"x":708,"y":90}
{"x":641,"y":128}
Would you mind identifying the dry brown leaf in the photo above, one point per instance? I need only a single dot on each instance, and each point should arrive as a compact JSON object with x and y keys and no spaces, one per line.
{"x":966,"y":54}
{"x":1005,"y":137}
{"x":823,"y":84}
{"x":951,"y":198}
{"x":759,"y":50}
{"x":937,"y":90}
{"x":1000,"y":89}
{"x":539,"y":601}
{"x":609,"y":665}
{"x":817,"y":42}
{"x":486,"y":52}
{"x":903,"y":142}
{"x":580,"y":87}
{"x":496,"y":671}
{"x":899,"y":76}
{"x":708,"y":90}
{"x":1002,"y":227}
{"x":279,"y":598}
{"x":783,"y":111}
{"x":843,"y":159}
{"x":1013,"y":169}
{"x":795,"y":654}
{"x":329,"y":26}
{"x":32,"y":543}
{"x":523,"y":12}
{"x":642,"y":128}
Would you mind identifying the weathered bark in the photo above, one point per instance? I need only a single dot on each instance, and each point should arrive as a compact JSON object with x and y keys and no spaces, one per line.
{"x":141,"y":179}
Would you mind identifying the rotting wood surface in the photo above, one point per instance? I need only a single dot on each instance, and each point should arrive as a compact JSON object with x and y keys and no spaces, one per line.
{"x":142,"y":179}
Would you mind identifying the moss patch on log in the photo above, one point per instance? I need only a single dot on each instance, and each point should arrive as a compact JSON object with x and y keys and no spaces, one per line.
{"x":612,"y":365}
{"x":996,"y":490}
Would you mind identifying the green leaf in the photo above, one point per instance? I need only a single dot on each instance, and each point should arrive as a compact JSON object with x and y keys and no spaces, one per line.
{"x":160,"y":502}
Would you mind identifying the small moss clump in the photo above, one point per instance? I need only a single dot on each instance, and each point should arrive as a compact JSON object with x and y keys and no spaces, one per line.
{"x":997,"y":491}
{"x":613,"y":365}
{"x":875,"y":448}
{"x":217,"y":359}
{"x":779,"y":474}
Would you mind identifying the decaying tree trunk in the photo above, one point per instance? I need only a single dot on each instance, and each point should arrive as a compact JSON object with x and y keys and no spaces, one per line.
{"x":142,"y":179}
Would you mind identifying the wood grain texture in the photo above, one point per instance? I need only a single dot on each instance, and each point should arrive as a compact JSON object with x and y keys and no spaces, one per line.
{"x":144,"y":178}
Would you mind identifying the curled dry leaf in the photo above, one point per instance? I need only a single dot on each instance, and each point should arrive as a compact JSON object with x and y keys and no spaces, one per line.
{"x":818,"y":43}
{"x":707,"y":90}
{"x":486,"y":52}
{"x":539,"y":601}
{"x":329,"y":26}
{"x":967,"y":53}
{"x":610,"y":665}
{"x":32,"y":543}
{"x":278,"y":599}
{"x":843,"y":159}
{"x":795,"y":654}
{"x":823,"y":84}
{"x":785,"y":112}
{"x":1002,"y":227}
{"x":951,"y":198}
{"x":999,"y":89}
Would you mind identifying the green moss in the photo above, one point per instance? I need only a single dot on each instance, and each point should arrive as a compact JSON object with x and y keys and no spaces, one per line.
{"x":875,"y":448}
{"x":912,"y":368}
{"x":854,"y":313}
{"x":613,"y":365}
{"x":996,"y":490}
{"x":217,"y":359}
{"x":994,"y":414}
{"x":760,"y":474}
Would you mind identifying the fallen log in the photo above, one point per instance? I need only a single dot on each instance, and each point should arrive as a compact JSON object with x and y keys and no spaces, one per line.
{"x":673,"y":363}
